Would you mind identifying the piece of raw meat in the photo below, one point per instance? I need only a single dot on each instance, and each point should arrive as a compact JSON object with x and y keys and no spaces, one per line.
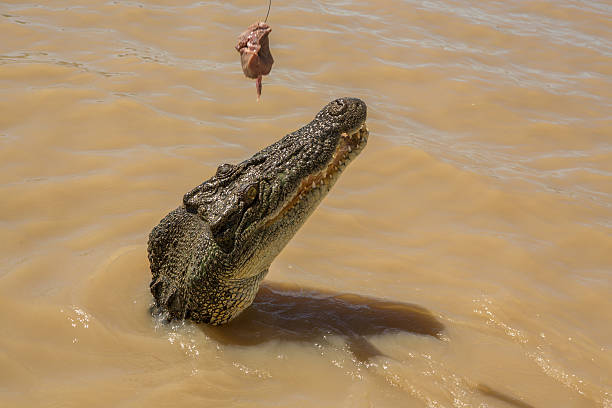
{"x":254,"y":48}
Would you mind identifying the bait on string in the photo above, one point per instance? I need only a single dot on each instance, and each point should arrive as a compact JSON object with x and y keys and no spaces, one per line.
{"x":254,"y":48}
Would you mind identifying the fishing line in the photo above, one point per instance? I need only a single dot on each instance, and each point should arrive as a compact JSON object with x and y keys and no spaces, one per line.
{"x":268,"y":13}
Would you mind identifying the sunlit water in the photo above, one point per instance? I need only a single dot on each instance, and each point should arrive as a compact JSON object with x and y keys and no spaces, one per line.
{"x":464,"y":259}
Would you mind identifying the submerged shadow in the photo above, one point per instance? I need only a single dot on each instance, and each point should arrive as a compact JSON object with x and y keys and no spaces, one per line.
{"x":286,"y":312}
{"x":289,"y":313}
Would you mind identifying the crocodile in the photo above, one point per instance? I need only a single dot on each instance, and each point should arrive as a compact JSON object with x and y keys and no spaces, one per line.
{"x":209,"y":255}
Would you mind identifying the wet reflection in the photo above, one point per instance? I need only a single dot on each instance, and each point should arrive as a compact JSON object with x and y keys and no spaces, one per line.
{"x":290,"y":313}
{"x":490,"y":392}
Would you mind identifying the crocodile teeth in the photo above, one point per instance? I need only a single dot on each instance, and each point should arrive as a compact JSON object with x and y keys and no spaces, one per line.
{"x":314,"y":185}
{"x":350,"y":149}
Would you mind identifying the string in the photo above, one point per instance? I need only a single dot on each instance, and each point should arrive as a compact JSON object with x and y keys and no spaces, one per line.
{"x":268,"y":13}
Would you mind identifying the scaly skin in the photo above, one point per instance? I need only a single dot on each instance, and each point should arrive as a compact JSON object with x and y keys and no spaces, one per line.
{"x":209,"y":255}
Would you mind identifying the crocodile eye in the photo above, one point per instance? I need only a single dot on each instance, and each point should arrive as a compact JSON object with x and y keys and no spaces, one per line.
{"x":337,"y":107}
{"x":224,"y":170}
{"x":250,"y":194}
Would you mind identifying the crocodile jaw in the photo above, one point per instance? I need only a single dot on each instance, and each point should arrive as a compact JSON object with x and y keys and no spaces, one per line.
{"x":349,"y":147}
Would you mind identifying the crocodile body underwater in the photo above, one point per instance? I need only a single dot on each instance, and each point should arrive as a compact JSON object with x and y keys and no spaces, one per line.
{"x":209,"y":255}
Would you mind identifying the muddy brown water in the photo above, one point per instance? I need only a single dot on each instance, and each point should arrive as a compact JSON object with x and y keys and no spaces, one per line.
{"x":463,"y":260}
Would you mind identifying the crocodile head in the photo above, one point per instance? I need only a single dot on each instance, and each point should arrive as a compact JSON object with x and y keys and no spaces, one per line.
{"x":240,"y":219}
